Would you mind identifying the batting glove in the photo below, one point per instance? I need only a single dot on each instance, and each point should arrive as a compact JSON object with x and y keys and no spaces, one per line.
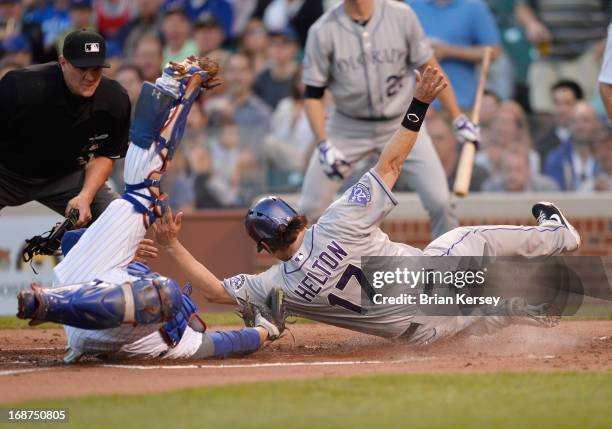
{"x":334,"y":163}
{"x":466,"y":131}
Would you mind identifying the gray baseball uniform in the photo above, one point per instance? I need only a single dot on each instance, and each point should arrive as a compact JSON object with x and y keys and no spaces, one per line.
{"x":369,"y":71}
{"x":323,"y":280}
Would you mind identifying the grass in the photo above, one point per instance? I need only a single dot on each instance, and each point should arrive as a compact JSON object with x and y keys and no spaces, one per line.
{"x":502,"y":400}
{"x":212,"y":319}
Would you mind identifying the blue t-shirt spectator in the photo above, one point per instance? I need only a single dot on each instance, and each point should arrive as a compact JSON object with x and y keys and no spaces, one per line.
{"x":461,"y":23}
{"x":195,"y":9}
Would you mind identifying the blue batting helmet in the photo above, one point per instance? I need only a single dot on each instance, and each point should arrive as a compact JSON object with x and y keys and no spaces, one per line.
{"x":267,"y":218}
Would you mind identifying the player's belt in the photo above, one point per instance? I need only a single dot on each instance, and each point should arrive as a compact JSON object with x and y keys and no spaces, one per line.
{"x":372,"y":118}
{"x":376,"y":118}
{"x":410,"y":331}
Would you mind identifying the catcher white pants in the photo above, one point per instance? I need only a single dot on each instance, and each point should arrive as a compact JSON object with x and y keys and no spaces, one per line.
{"x":104,"y":252}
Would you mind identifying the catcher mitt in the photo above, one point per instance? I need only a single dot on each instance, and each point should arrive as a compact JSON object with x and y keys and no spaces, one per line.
{"x":271,"y":317}
{"x":49,"y":242}
{"x":209,"y":65}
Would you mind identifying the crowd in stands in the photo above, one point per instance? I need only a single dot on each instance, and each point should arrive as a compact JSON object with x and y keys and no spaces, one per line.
{"x":543,"y":127}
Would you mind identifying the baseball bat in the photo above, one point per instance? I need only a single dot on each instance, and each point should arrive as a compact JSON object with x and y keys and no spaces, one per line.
{"x":466,"y":160}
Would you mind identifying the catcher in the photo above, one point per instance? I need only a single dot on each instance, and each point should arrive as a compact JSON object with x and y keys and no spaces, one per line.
{"x":113,"y":308}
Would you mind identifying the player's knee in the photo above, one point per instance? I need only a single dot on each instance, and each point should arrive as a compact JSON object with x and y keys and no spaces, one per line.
{"x":156,"y":300}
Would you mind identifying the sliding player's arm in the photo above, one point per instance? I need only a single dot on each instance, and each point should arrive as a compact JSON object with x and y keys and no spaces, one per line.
{"x":391,"y":160}
{"x":166,"y":233}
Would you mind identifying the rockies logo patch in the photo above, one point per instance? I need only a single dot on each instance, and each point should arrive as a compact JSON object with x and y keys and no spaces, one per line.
{"x":237,"y":281}
{"x":360,"y":195}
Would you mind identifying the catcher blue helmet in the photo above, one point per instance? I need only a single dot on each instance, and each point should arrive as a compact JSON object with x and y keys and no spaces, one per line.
{"x":267,"y":218}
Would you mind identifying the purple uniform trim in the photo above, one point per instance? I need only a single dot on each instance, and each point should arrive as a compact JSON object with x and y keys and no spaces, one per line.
{"x":524,"y":228}
{"x":305,"y":259}
{"x":382,"y":184}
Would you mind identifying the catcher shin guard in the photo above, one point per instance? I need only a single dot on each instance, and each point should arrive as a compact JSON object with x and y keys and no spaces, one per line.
{"x":149,"y":128}
{"x":100,"y":305}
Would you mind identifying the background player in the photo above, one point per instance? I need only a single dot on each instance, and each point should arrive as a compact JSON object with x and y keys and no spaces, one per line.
{"x":113,"y":307}
{"x":316,"y":263}
{"x":364,"y":51}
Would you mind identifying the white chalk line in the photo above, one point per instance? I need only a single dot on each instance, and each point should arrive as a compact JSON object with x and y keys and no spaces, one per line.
{"x":265,"y":365}
{"x":23,"y":371}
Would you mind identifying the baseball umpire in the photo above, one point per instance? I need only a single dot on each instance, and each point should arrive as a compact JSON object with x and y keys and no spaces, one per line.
{"x":364,"y":52}
{"x":63,"y":124}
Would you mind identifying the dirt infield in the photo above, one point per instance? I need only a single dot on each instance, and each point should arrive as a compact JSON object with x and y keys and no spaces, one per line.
{"x":31,"y":365}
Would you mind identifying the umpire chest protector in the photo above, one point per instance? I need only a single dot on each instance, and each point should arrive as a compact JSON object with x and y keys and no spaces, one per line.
{"x":49,"y":132}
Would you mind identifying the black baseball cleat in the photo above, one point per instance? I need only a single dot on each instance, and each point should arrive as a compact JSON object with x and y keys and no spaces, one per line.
{"x":547,"y":213}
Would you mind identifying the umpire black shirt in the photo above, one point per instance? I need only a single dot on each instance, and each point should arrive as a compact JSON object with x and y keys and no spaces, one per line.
{"x":48,"y":132}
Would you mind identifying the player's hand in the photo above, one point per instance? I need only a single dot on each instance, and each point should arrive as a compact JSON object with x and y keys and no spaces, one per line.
{"x":465,"y":130}
{"x":82,"y":204}
{"x":537,"y":32}
{"x":334,"y":163}
{"x":429,"y":84}
{"x":167,"y":229}
{"x":145,"y":251}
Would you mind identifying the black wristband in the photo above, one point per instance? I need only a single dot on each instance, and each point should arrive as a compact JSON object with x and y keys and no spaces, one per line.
{"x":415,"y":115}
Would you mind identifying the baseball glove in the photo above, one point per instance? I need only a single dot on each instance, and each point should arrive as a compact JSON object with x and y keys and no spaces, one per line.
{"x":271,"y":317}
{"x":49,"y":242}
{"x":209,"y":65}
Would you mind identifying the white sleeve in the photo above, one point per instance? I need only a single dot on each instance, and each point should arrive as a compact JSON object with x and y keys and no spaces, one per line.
{"x":254,"y":286}
{"x":605,"y":76}
{"x":316,"y":67}
{"x":360,"y":209}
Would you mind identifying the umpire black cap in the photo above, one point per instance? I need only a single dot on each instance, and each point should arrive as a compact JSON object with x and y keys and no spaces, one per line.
{"x":84,"y":48}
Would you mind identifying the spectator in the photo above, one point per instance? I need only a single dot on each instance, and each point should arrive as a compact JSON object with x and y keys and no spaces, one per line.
{"x":573,"y":164}
{"x":254,"y":44}
{"x":298,"y":14}
{"x":459,"y":30}
{"x":565,"y":95}
{"x":239,"y":103}
{"x":252,"y":116}
{"x":195,"y":9}
{"x":111,"y":16}
{"x":148,"y":56}
{"x":274,"y":83}
{"x":603,"y":181}
{"x":201,"y":168}
{"x":226,"y":166}
{"x":176,"y":30}
{"x":13,"y":22}
{"x":81,"y":16}
{"x":568,"y":36}
{"x":54,"y":20}
{"x":114,"y":58}
{"x":509,"y":130}
{"x":147,"y":22}
{"x":17,"y":49}
{"x":517,"y":177}
{"x":447,"y":147}
{"x":179,"y":184}
{"x":488,"y":109}
{"x":130,"y":78}
{"x":290,"y":139}
{"x":605,"y":76}
{"x":209,"y":38}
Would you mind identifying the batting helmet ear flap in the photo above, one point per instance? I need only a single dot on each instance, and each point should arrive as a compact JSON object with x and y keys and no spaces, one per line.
{"x":268,"y":220}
